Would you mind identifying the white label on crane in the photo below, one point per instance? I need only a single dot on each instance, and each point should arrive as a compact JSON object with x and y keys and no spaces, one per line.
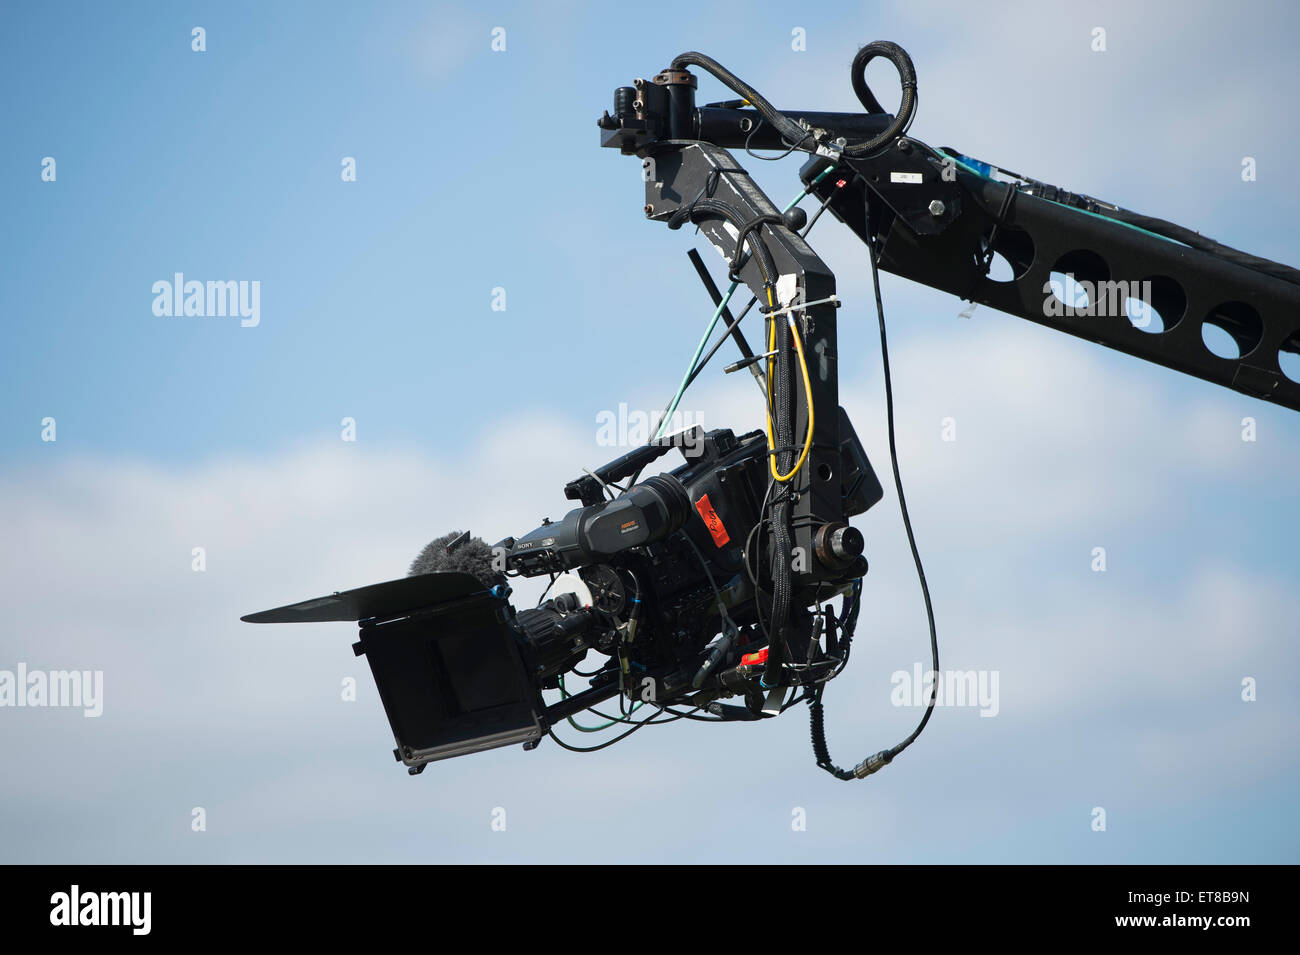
{"x":787,"y":289}
{"x":911,"y":178}
{"x":732,"y":231}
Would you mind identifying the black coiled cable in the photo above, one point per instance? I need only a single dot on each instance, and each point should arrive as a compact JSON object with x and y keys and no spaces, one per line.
{"x":817,"y":726}
{"x":906,"y":108}
{"x":795,"y":134}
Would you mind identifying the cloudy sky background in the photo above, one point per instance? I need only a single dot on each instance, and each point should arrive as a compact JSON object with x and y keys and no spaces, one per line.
{"x":479,"y":169}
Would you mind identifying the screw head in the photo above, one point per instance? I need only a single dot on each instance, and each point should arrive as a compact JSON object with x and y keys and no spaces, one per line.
{"x":936,"y":207}
{"x":649,"y":209}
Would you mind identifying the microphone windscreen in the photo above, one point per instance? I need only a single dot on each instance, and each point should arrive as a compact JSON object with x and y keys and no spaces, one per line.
{"x":471,"y":556}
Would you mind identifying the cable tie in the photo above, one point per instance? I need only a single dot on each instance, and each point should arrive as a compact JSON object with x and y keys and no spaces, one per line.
{"x":800,"y":306}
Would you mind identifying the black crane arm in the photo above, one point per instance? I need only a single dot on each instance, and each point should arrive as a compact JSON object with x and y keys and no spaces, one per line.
{"x":935,"y":217}
{"x":938,"y":218}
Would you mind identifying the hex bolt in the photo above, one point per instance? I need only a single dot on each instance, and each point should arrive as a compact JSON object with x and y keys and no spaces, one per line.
{"x":936,"y":207}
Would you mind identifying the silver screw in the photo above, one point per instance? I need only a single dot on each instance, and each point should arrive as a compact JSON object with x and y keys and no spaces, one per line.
{"x":936,"y":207}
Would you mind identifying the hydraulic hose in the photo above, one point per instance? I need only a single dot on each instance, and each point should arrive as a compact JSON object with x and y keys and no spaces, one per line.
{"x":796,"y":134}
{"x":792,"y":131}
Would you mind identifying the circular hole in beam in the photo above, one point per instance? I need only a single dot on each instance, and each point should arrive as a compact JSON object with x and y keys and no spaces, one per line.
{"x":1000,"y":269}
{"x":1288,"y":357}
{"x":1013,"y":254}
{"x":1155,"y":304}
{"x":1075,"y":279}
{"x":1232,"y":330}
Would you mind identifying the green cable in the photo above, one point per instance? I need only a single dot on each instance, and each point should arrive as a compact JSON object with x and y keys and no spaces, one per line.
{"x":699,"y":350}
{"x":722,"y":307}
{"x":1087,"y":212}
{"x":800,"y":198}
{"x":594,"y":729}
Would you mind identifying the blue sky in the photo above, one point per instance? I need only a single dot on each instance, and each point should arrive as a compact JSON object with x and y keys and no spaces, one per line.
{"x":479,"y":170}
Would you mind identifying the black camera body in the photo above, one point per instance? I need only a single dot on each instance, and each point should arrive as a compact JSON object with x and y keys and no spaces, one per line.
{"x":677,"y":567}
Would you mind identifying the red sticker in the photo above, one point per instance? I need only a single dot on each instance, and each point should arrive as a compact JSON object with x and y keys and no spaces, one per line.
{"x":712,"y":521}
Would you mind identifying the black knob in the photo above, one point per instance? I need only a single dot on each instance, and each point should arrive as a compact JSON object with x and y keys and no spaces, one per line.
{"x":795,"y":219}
